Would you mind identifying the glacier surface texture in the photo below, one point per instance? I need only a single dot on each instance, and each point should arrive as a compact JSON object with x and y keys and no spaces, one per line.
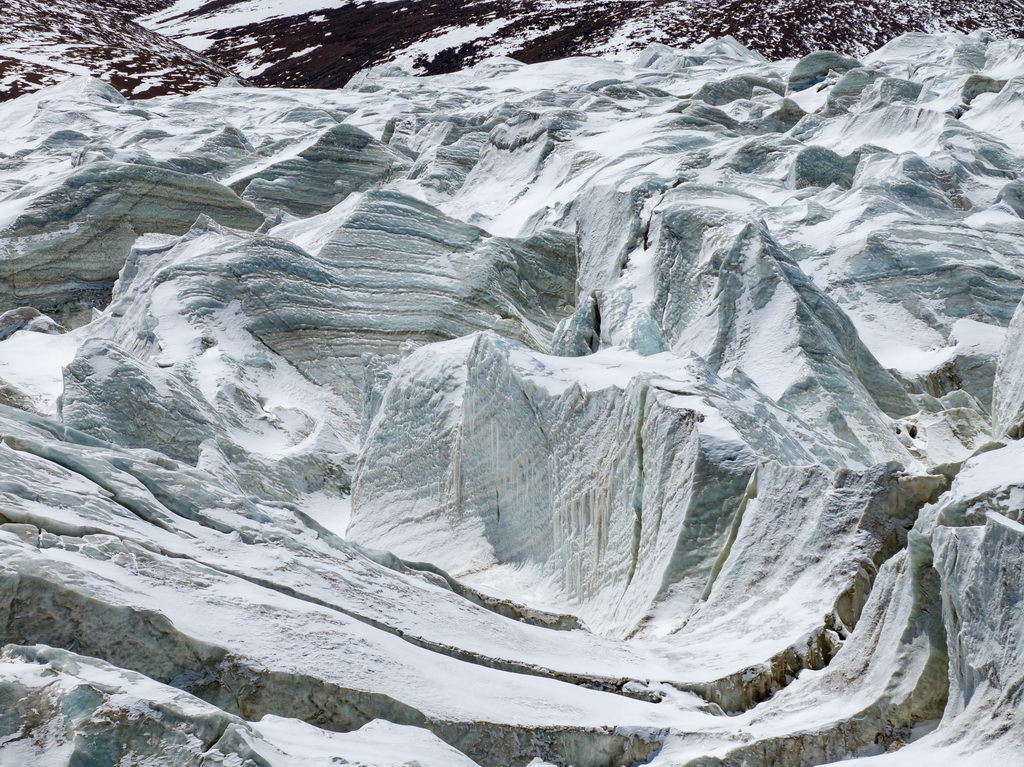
{"x":661,"y":409}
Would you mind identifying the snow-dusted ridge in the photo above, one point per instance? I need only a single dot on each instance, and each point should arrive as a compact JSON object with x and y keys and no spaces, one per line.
{"x":604,"y":411}
{"x":321,"y":43}
{"x":43,"y":42}
{"x":148,"y":48}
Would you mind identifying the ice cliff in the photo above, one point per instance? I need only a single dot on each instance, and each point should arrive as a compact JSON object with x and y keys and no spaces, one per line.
{"x":653,"y":410}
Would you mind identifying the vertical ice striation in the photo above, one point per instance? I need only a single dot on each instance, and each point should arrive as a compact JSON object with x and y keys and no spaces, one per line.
{"x":531,"y":412}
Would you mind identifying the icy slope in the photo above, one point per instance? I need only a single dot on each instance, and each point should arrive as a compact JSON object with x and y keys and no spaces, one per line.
{"x":544,"y":411}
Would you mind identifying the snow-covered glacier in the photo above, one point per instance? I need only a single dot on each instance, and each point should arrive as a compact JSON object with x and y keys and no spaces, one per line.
{"x":662,"y":409}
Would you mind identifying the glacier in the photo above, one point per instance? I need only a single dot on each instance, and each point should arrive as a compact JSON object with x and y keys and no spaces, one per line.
{"x":661,"y":408}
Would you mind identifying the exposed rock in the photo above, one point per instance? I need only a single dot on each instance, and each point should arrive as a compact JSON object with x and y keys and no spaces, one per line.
{"x":43,"y":42}
{"x":321,"y":44}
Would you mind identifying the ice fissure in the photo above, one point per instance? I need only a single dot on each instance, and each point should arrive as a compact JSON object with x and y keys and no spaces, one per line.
{"x":662,"y":409}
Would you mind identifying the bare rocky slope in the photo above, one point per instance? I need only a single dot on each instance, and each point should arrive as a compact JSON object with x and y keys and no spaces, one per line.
{"x":147,"y":48}
{"x":43,"y":42}
{"x":323,"y":43}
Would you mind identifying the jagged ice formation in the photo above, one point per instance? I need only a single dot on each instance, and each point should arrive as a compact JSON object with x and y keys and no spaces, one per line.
{"x":662,"y":409}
